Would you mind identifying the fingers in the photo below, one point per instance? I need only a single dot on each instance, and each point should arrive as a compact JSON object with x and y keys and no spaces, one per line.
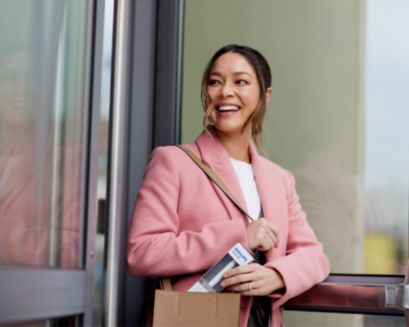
{"x":238,"y":279}
{"x":274,"y":234}
{"x":269,"y":240}
{"x":252,"y":279}
{"x":262,"y":235}
{"x":247,"y":280}
{"x":249,"y":288}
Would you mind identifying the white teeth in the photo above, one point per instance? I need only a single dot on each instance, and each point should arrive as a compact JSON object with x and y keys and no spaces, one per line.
{"x":228,"y":108}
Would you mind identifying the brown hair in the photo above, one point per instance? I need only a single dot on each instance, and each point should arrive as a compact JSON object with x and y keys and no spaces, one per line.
{"x":263,"y":72}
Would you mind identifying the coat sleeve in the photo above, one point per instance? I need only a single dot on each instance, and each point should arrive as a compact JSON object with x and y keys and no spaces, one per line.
{"x":304,"y":263}
{"x":157,"y":243}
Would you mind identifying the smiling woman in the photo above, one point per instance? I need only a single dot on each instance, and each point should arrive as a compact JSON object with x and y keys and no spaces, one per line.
{"x":233,"y":98}
{"x":174,"y":234}
{"x":237,"y":74}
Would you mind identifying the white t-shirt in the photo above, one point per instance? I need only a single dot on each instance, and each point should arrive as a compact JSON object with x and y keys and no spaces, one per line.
{"x":248,"y":185}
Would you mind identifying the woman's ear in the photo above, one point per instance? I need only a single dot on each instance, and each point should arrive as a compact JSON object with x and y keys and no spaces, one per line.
{"x":268,"y":95}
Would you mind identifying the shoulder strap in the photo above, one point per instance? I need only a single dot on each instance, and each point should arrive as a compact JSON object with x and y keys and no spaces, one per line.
{"x":216,"y":179}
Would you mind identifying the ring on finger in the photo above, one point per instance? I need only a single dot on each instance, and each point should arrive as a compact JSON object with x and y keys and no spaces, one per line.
{"x":250,"y":287}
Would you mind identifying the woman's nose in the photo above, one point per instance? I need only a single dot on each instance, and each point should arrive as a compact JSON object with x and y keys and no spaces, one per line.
{"x":227,"y":89}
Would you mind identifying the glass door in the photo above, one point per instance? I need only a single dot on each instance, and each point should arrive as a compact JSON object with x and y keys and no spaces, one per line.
{"x":338,"y":120}
{"x":47,"y":151}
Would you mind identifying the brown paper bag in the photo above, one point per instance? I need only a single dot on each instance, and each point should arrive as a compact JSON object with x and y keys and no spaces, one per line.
{"x":188,"y":309}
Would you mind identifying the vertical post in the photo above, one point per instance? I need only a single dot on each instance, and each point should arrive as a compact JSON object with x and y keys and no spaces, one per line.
{"x":117,"y":155}
{"x":168,"y":86}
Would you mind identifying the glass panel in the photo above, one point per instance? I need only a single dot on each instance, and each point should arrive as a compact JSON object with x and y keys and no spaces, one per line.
{"x":386,"y":166}
{"x":339,"y":114}
{"x":42,"y":132}
{"x":307,"y":319}
{"x":66,"y":322}
{"x":103,"y":163}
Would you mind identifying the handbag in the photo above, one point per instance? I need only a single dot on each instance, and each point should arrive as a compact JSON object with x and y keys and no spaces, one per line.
{"x":188,"y":309}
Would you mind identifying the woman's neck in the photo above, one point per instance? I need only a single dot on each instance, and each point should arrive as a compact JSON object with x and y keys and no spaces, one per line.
{"x":237,"y":146}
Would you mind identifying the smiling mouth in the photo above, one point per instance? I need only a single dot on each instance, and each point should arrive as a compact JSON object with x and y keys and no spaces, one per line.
{"x":229,"y":108}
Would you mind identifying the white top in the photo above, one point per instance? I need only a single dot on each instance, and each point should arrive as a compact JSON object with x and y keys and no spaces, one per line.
{"x":245,"y":174}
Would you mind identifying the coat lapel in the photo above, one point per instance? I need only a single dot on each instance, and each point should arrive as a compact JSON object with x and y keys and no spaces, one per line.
{"x":268,"y":180}
{"x":214,"y":154}
{"x":269,"y":185}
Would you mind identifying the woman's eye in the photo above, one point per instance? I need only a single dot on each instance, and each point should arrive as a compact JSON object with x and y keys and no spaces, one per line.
{"x":213,"y":82}
{"x":241,"y":82}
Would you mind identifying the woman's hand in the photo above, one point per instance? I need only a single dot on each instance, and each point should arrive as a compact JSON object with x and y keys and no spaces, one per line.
{"x":262,"y":235}
{"x":252,"y":279}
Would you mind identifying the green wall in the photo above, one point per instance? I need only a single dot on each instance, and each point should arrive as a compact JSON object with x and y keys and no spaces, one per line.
{"x":313,"y":49}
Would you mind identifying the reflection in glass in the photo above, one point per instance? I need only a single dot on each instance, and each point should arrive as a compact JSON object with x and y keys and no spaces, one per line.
{"x":66,"y":322}
{"x":41,"y":135}
{"x":386,"y":174}
{"x":102,"y":163}
{"x":293,"y":318}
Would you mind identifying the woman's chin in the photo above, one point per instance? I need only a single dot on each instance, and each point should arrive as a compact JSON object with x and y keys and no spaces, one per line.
{"x":230,"y":130}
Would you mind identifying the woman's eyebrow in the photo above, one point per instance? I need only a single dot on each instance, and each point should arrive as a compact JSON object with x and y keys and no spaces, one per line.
{"x":215,"y":73}
{"x":242,"y":73}
{"x":235,"y":73}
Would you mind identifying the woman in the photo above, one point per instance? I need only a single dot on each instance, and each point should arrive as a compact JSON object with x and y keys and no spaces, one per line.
{"x":182,"y":223}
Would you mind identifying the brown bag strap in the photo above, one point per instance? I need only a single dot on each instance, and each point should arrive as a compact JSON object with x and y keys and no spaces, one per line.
{"x":216,"y":179}
{"x":165,"y":284}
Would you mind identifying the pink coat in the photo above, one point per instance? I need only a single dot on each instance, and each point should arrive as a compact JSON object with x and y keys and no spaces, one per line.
{"x":182,"y":223}
{"x":25,"y":223}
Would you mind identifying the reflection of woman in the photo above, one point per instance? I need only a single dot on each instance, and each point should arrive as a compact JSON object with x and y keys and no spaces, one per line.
{"x":183,"y":224}
{"x":16,"y":102}
{"x":25,"y":192}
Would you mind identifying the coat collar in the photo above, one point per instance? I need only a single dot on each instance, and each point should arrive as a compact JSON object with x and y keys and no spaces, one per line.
{"x":212,"y":150}
{"x":213,"y":153}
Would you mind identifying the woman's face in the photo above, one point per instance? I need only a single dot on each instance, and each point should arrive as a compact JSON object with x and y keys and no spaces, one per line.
{"x":234,"y":93}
